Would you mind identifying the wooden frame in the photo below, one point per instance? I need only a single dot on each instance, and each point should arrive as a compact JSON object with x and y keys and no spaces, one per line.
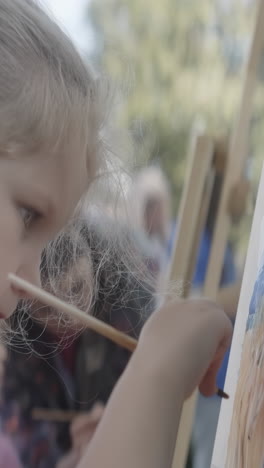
{"x":196,"y":191}
{"x":185,"y":247}
{"x":205,"y":161}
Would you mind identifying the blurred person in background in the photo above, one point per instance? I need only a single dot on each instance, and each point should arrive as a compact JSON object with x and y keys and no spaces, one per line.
{"x":149,"y":208}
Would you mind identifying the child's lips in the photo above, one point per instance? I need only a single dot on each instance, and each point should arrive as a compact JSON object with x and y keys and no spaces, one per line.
{"x":2,"y":316}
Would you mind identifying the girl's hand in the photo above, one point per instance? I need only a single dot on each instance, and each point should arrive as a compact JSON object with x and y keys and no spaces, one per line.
{"x":181,"y":346}
{"x":186,"y":341}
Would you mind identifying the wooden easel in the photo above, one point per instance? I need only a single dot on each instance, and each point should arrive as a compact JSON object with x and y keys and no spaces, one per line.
{"x":195,"y":200}
{"x":206,"y":159}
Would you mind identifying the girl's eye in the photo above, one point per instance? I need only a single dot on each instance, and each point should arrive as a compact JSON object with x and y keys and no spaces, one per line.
{"x":29,"y":215}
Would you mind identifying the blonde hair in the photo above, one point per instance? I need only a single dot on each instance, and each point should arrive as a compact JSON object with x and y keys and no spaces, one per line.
{"x":97,"y":267}
{"x":48,"y":97}
{"x":93,"y":262}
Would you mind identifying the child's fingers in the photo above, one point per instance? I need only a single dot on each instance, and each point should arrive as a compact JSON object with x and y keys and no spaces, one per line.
{"x":208,"y":384}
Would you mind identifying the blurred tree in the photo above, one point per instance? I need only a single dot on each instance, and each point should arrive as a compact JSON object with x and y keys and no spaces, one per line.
{"x":179,"y":63}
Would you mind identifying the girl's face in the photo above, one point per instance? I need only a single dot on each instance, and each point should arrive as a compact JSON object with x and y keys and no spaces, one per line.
{"x":37,"y":195}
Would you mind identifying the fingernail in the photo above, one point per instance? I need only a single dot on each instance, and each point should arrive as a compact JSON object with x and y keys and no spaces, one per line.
{"x":222,"y":394}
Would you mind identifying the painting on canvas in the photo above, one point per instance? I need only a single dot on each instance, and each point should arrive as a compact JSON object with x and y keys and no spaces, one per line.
{"x":240,"y":433}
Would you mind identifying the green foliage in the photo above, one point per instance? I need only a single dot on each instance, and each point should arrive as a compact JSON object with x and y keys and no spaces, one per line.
{"x":179,"y":62}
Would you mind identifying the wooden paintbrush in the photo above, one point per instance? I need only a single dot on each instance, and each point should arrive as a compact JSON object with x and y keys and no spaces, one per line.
{"x":88,"y":321}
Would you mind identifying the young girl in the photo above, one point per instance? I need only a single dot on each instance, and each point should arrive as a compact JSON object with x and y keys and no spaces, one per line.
{"x":52,"y":139}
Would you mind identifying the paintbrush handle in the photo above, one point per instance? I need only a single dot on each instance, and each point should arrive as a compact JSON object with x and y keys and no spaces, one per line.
{"x":89,"y":321}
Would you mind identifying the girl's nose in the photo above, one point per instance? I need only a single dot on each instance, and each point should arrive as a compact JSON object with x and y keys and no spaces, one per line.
{"x":30,"y":270}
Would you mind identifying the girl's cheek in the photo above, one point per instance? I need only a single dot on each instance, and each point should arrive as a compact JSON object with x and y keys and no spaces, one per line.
{"x":10,"y":245}
{"x":9,"y":260}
